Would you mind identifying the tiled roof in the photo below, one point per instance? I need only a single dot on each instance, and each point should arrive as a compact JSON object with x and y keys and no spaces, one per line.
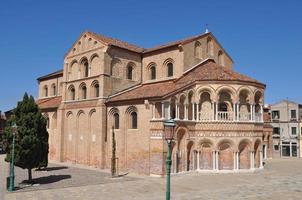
{"x":116,"y":42}
{"x":52,"y":102}
{"x":178,"y":42}
{"x":56,"y":73}
{"x":206,"y":71}
{"x":210,"y":71}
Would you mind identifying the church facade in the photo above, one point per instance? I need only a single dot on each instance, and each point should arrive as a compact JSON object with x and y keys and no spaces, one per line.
{"x":107,"y":84}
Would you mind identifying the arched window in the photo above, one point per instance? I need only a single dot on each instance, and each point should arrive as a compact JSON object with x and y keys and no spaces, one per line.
{"x":210,"y":47}
{"x":116,"y":118}
{"x":198,"y":50}
{"x":170,"y":69}
{"x":83,"y":92}
{"x":47,"y":121}
{"x":129,"y":72}
{"x":71,"y":93}
{"x":134,"y":120}
{"x":220,"y":58}
{"x":45,"y":91}
{"x":97,"y":90}
{"x":86,"y":69}
{"x":153,"y":73}
{"x":54,"y":89}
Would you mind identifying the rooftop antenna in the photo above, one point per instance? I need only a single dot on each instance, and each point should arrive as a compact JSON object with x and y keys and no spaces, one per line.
{"x":207,"y":30}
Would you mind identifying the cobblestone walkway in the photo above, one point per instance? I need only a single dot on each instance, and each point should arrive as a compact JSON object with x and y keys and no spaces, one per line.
{"x":281,"y":179}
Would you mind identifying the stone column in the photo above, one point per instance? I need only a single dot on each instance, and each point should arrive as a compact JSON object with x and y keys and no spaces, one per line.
{"x":186,"y":112}
{"x":193,"y":164}
{"x":176,"y":111}
{"x":216,"y":111}
{"x":234,"y":160}
{"x":197,"y":111}
{"x":237,"y":159}
{"x":251,"y":112}
{"x":261,"y":160}
{"x":261,"y":111}
{"x":193,"y":111}
{"x":162,"y":110}
{"x":153,"y":111}
{"x":198,"y":154}
{"x":234,"y":111}
{"x":217,"y":161}
{"x":238,"y":112}
{"x":251,"y":160}
{"x":214,"y":159}
{"x":254,"y":111}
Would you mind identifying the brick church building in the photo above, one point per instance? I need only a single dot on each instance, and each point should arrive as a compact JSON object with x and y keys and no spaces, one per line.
{"x":106,"y":82}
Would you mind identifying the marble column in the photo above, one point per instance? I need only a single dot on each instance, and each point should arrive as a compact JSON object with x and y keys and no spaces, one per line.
{"x":216,"y":111}
{"x":162,"y":110}
{"x":193,"y":111}
{"x":214,"y":159}
{"x":261,"y":160}
{"x":251,"y":160}
{"x":234,"y":112}
{"x":251,"y":112}
{"x":198,"y":154}
{"x":217,"y":161}
{"x":197,"y":111}
{"x":176,"y":111}
{"x":153,"y":111}
{"x":238,"y":112}
{"x":237,"y":159}
{"x":234,"y":160}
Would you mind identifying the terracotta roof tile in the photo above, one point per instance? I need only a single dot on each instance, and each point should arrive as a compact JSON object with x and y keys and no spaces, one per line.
{"x":56,"y":73}
{"x":118,"y":43}
{"x":206,"y":71}
{"x":52,"y":102}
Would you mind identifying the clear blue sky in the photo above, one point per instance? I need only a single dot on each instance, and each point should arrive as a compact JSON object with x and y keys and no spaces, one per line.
{"x":264,"y":38}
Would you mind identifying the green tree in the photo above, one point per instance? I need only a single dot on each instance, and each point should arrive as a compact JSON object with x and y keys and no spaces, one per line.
{"x":31,"y":146}
{"x":113,"y":158}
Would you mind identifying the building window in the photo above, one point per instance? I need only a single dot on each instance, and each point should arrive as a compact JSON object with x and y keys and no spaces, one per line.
{"x":294,"y":130}
{"x":170,"y":69}
{"x":116,"y":118}
{"x":293,"y":114}
{"x":129,"y":72}
{"x":198,"y":50}
{"x":97,"y":90}
{"x":54,"y":90}
{"x":153,"y":72}
{"x":86,"y":69}
{"x":220,"y":58}
{"x":72,"y":94}
{"x":276,"y":147}
{"x":134,"y":120}
{"x":276,"y":115}
{"x":45,"y":91}
{"x":83,"y":90}
{"x":276,"y":131}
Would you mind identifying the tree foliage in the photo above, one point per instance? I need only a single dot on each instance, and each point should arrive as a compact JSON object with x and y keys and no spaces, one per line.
{"x":31,"y":140}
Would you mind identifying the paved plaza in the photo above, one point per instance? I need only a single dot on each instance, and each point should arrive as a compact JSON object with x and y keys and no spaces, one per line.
{"x":281,"y":179}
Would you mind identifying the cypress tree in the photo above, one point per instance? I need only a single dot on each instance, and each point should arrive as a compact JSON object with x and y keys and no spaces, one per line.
{"x":113,"y":158}
{"x":31,"y":140}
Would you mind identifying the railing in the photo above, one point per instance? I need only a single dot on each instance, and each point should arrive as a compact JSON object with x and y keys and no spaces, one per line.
{"x":244,"y":117}
{"x":206,"y":116}
{"x":258,"y":117}
{"x":225,"y":116}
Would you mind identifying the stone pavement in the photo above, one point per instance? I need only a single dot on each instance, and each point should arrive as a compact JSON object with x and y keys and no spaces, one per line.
{"x":281,"y":179}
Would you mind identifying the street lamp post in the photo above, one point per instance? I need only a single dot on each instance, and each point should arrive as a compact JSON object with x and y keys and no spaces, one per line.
{"x":12,"y":171}
{"x":169,"y":126}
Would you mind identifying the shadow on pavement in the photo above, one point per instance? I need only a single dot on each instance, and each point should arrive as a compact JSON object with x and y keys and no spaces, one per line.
{"x":52,"y":168}
{"x":48,"y":179}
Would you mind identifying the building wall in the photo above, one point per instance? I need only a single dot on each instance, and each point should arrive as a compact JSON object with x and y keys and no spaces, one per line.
{"x":50,"y":83}
{"x":159,"y":59}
